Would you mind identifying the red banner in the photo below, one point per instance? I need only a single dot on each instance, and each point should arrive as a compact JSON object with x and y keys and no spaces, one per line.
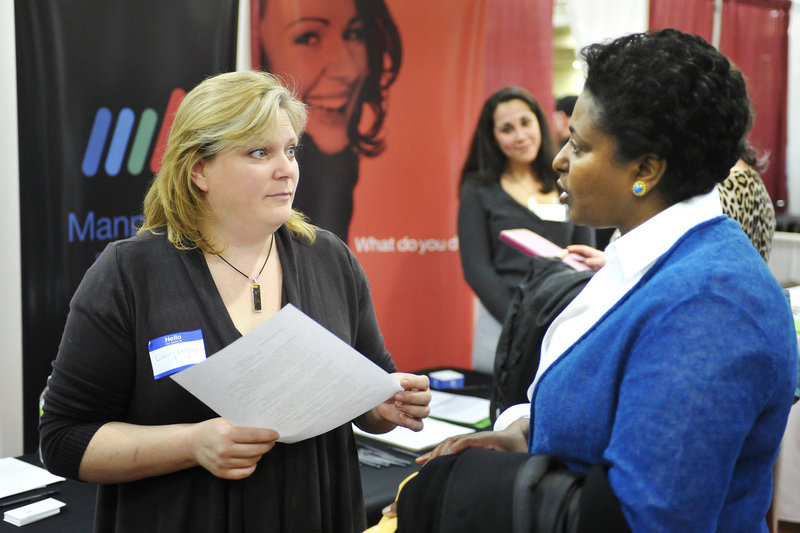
{"x":755,"y":36}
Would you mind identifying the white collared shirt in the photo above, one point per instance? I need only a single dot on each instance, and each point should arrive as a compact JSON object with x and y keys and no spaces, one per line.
{"x":627,"y":260}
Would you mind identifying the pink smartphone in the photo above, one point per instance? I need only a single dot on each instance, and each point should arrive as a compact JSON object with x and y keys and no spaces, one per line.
{"x":532,"y":244}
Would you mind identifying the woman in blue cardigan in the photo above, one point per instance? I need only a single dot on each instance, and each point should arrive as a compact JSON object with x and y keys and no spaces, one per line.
{"x":664,"y":387}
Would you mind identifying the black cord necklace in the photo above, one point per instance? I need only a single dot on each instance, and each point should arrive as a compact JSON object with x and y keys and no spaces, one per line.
{"x":255,"y":290}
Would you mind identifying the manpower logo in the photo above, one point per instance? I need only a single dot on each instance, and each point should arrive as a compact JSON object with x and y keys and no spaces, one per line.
{"x":120,"y":139}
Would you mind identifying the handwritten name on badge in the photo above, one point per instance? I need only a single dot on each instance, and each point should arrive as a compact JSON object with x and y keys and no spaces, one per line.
{"x":176,"y":351}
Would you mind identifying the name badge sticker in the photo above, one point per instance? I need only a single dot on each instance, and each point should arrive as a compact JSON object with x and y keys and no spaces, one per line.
{"x":176,"y":351}
{"x":552,"y":212}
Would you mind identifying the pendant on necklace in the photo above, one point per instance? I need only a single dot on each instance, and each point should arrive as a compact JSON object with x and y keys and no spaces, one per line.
{"x":255,"y":291}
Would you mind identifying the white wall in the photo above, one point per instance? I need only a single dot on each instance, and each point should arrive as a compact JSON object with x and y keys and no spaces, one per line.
{"x":593,"y":22}
{"x":243,"y":43}
{"x":793,"y":134}
{"x":10,"y":280}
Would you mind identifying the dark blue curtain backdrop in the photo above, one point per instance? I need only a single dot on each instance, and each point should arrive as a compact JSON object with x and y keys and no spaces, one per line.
{"x":96,"y":81}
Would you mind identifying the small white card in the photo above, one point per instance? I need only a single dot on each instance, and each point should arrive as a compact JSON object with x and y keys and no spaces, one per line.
{"x":33,"y":512}
{"x":176,"y":351}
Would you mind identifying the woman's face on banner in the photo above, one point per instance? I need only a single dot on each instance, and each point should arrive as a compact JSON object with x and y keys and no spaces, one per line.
{"x":318,"y":44}
{"x":516,"y":130}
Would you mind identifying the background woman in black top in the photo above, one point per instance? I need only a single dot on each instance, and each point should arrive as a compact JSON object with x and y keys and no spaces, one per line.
{"x":508,"y":182}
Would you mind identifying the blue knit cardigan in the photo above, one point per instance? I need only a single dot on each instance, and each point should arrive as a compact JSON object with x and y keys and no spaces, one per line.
{"x":683,"y":389}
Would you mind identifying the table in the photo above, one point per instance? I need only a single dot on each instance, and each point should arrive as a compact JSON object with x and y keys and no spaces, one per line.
{"x":76,"y":517}
{"x":379,"y":484}
{"x":380,"y":488}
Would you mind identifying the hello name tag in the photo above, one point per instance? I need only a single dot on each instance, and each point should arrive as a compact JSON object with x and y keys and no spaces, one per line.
{"x":176,"y":351}
{"x":551,"y":212}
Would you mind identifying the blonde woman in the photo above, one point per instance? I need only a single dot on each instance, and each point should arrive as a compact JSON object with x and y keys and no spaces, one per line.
{"x":221,"y":250}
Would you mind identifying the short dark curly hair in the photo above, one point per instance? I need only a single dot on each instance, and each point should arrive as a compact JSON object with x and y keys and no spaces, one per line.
{"x":672,"y":94}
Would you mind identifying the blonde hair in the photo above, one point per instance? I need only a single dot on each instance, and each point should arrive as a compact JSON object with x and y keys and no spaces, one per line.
{"x":223,"y":111}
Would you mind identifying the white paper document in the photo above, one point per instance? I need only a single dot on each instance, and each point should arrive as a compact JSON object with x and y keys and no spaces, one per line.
{"x":18,"y":476}
{"x":289,"y":374}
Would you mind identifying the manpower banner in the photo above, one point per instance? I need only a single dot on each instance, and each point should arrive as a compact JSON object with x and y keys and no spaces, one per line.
{"x":395,"y":88}
{"x":97,"y":83}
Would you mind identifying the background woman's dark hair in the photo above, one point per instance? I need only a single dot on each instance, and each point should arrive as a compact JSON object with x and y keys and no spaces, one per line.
{"x":384,"y":55}
{"x":758,"y":160}
{"x":486,"y":161}
{"x":672,"y":94}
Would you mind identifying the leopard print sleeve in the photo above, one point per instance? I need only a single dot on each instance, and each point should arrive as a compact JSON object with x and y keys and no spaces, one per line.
{"x":744,"y":198}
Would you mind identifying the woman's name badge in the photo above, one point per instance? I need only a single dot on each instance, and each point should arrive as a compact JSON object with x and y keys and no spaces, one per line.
{"x":176,"y":351}
{"x":551,"y":212}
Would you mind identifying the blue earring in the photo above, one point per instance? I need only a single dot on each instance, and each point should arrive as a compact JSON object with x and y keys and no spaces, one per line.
{"x":639,"y":188}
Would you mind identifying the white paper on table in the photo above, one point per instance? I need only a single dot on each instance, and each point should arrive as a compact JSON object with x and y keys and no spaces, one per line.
{"x":432,"y":433}
{"x":289,"y":374}
{"x":458,"y":407}
{"x":18,"y":476}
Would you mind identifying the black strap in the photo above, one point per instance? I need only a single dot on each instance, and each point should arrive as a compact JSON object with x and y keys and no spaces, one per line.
{"x":527,"y":479}
{"x":546,"y":495}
